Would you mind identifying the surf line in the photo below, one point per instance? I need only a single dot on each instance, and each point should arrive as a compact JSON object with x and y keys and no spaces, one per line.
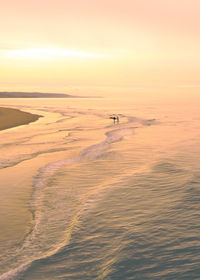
{"x":90,"y":153}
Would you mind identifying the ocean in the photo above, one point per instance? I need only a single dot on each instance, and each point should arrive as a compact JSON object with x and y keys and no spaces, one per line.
{"x":86,"y":198}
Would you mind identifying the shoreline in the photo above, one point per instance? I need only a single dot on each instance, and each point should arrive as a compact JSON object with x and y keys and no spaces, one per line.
{"x":10,"y":118}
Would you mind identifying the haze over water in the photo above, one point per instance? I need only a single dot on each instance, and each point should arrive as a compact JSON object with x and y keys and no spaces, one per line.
{"x":85,"y":198}
{"x":82,"y":197}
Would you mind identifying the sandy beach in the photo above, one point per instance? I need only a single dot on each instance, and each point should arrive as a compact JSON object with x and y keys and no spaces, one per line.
{"x":14,"y":117}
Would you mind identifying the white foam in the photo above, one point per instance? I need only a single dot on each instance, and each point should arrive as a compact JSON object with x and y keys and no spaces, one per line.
{"x":14,"y":274}
{"x":8,"y":162}
{"x":90,"y":153}
{"x":40,"y":181}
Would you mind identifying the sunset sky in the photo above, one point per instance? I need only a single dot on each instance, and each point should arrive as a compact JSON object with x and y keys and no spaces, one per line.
{"x":90,"y":46}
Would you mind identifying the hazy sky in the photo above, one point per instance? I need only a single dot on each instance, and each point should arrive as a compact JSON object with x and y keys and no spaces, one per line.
{"x":60,"y":44}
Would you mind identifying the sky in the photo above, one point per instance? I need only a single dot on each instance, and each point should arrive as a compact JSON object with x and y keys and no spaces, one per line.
{"x":91,"y":47}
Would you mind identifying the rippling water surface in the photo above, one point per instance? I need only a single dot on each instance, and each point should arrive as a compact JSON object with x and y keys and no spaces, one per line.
{"x":85,"y":198}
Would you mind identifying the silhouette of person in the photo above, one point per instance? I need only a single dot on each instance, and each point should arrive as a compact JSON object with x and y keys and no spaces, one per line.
{"x":115,"y":118}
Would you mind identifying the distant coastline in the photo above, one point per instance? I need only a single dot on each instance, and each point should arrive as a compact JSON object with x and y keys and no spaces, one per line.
{"x":13,"y":117}
{"x":6,"y":94}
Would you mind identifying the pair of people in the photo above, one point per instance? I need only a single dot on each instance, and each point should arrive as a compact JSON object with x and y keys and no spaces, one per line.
{"x":115,"y":118}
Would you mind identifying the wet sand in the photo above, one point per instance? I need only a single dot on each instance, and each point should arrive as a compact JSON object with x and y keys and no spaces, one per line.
{"x":14,"y":117}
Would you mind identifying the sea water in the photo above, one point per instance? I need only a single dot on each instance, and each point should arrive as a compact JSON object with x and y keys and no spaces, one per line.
{"x":83,"y":197}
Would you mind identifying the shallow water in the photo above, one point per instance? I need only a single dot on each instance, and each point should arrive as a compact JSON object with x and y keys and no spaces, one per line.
{"x":85,"y":198}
